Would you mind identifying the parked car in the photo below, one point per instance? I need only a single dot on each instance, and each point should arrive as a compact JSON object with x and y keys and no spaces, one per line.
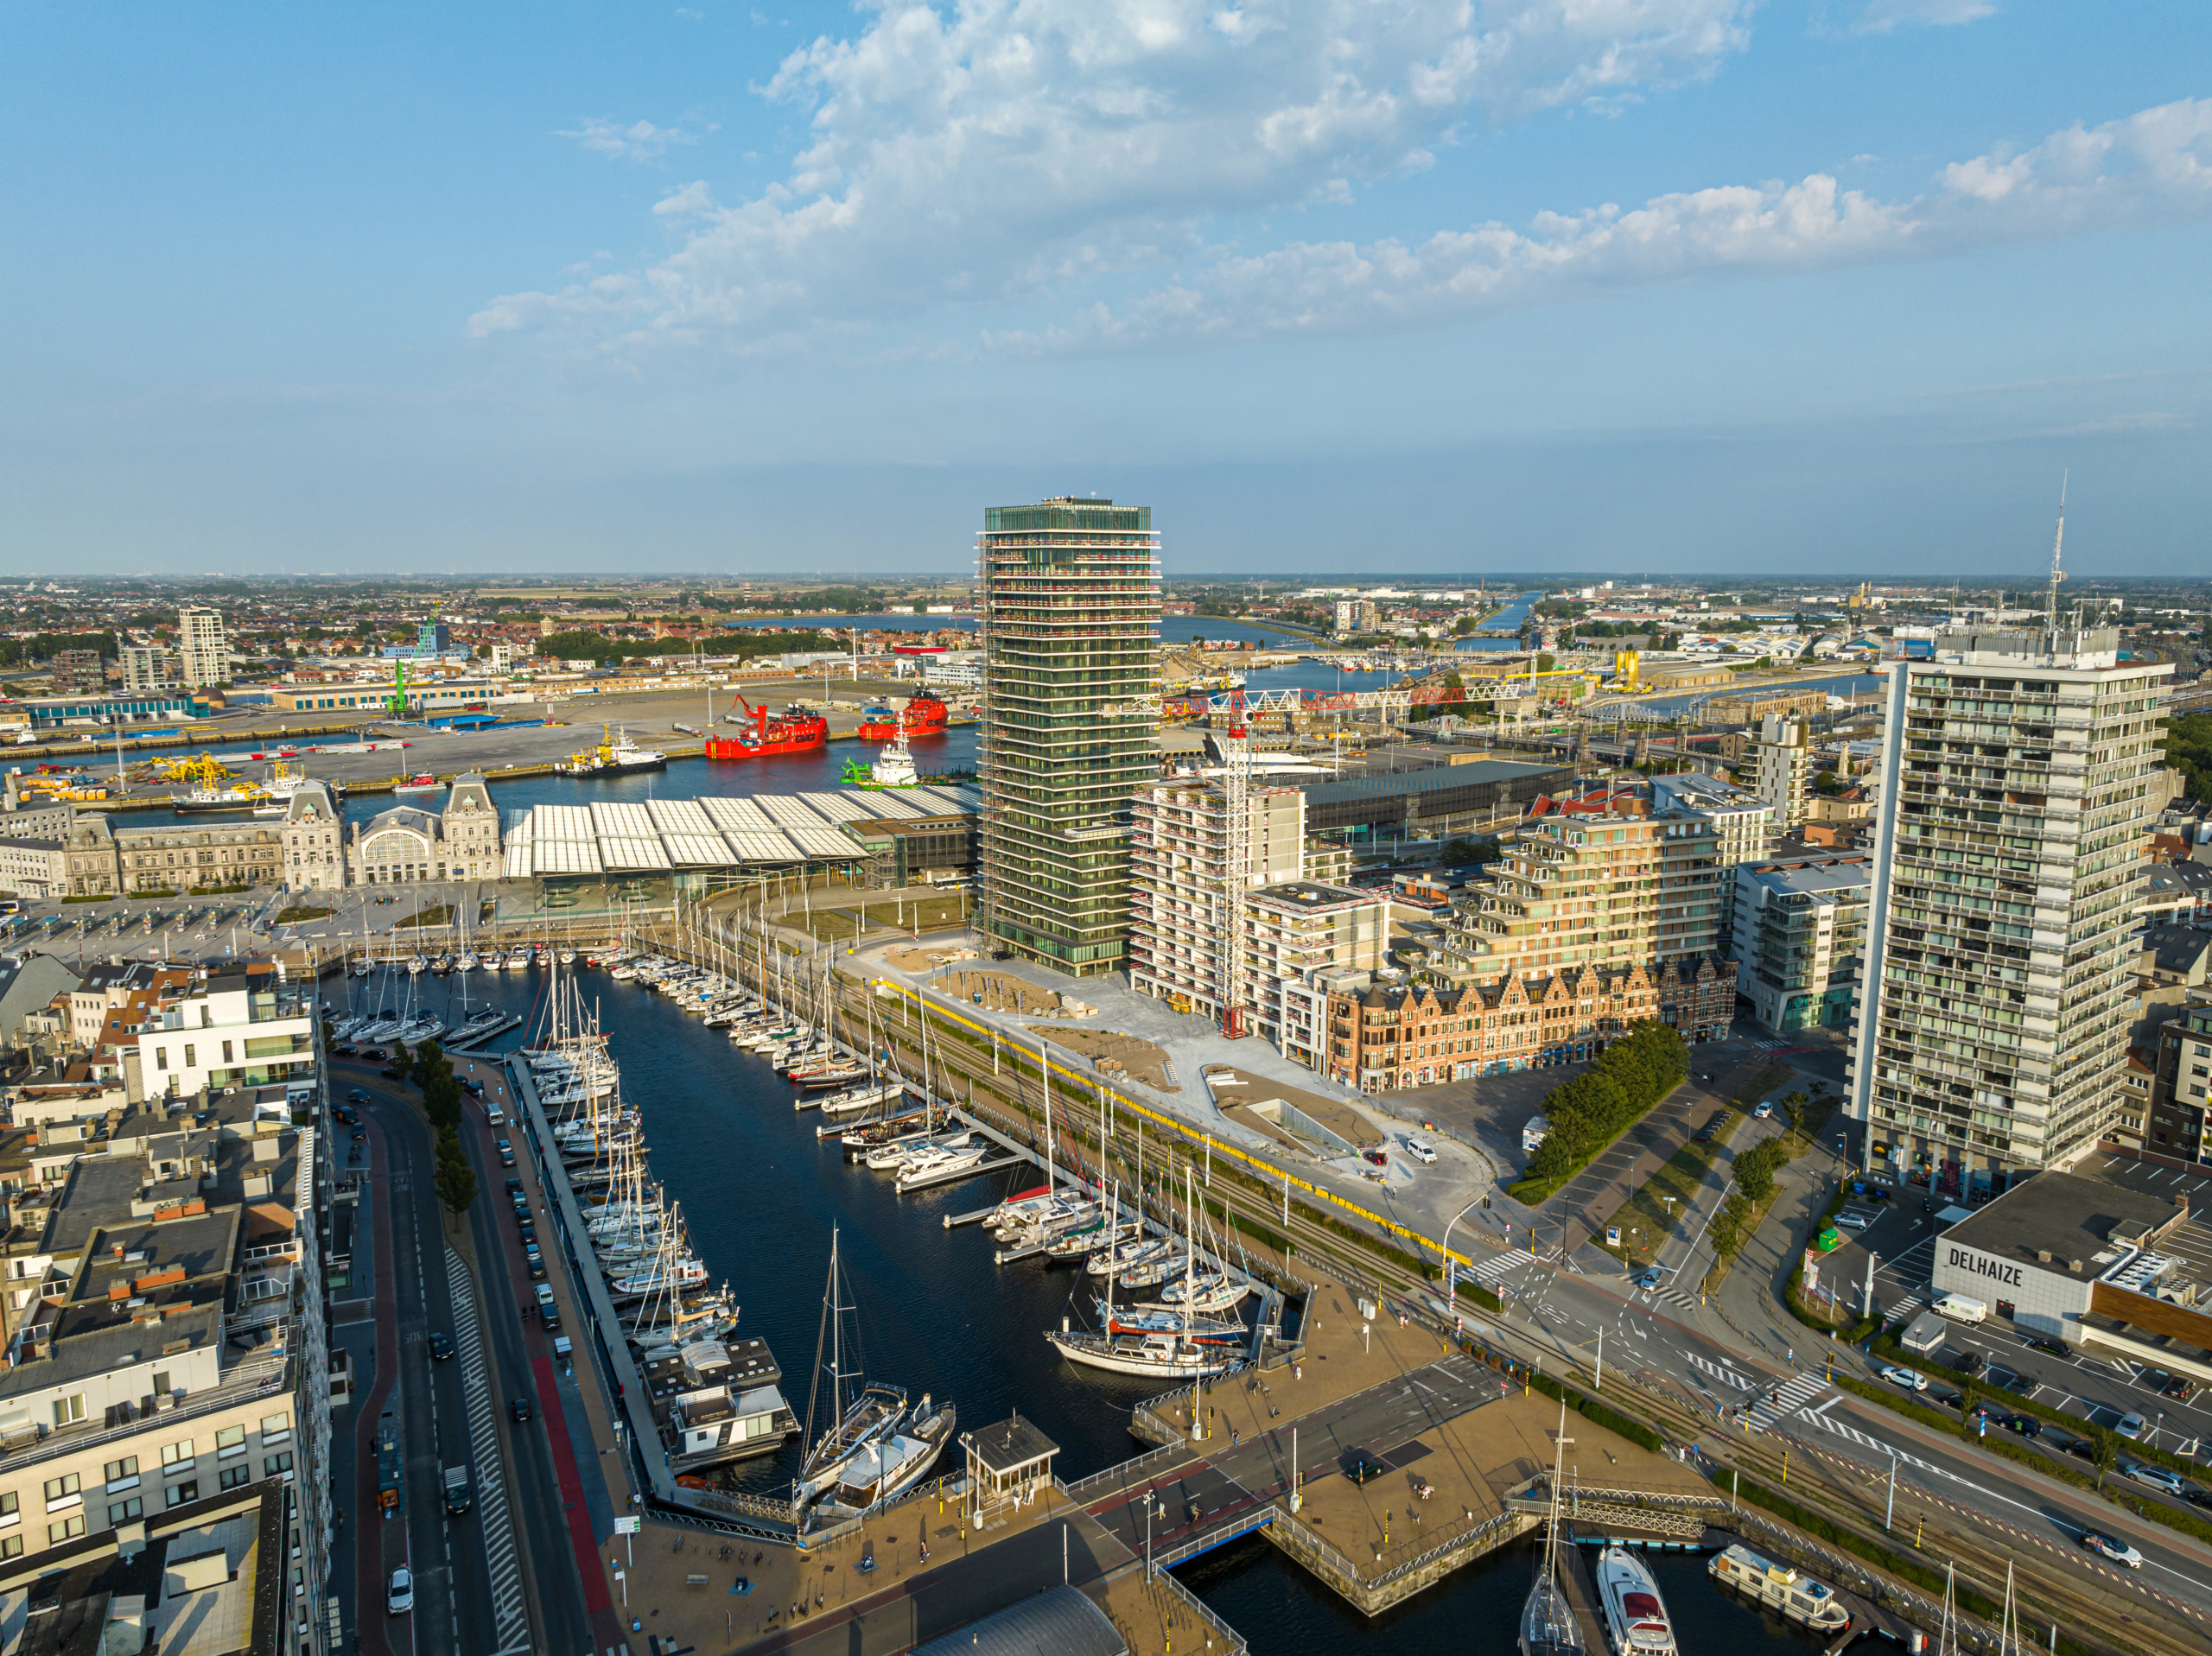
{"x":1380,"y":1158}
{"x":341,"y":1050}
{"x":2165,"y":1482}
{"x":2112,"y":1547}
{"x":2055,"y":1347}
{"x":1763,"y":1112}
{"x":399,"y":1597}
{"x":2024,"y":1426}
{"x":2180,"y":1387}
{"x":2131,"y":1426}
{"x":371,"y":1055}
{"x":389,"y":1072}
{"x":357,"y":1096}
{"x":1421,"y":1151}
{"x":1972,"y":1363}
{"x":1360,"y":1466}
{"x":2080,"y":1448}
{"x":1910,"y":1379}
{"x":514,"y":1186}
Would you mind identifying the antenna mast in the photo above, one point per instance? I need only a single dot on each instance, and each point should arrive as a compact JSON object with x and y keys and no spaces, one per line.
{"x":2058,"y":546}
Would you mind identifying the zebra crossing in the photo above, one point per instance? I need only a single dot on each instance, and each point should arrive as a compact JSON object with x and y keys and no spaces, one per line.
{"x":1904,"y":1310}
{"x":504,"y":1568}
{"x":1776,"y":1406}
{"x":1681,"y":1299}
{"x":1721,"y":1372}
{"x":1855,"y":1436}
{"x":1493,"y":1271}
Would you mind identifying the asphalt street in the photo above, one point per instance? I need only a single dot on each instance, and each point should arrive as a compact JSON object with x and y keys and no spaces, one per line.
{"x":455,"y":1589}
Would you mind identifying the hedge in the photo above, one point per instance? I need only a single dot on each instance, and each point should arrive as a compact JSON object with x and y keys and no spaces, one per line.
{"x":2049,"y":1465}
{"x":1600,"y":1414}
{"x":1904,"y":1568}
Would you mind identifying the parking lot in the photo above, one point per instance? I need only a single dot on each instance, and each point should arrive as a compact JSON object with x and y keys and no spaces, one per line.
{"x":2099,"y":1388}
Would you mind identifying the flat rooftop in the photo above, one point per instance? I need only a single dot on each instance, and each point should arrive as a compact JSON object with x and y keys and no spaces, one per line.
{"x":2071,"y":1218}
{"x":1392,"y":784}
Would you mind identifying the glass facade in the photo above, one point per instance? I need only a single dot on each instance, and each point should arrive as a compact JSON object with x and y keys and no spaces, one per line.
{"x":1069,"y":607}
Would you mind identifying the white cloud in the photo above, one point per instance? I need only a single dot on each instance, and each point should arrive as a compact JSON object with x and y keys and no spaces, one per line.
{"x":2154,"y":165}
{"x":639,"y":141}
{"x":1060,"y":154}
{"x":962,"y":152}
{"x":1882,"y":15}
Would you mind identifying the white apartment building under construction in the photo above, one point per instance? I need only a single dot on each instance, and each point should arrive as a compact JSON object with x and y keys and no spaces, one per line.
{"x":1181,"y":903}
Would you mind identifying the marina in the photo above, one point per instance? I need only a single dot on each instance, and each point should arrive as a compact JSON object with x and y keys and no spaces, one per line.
{"x":703,"y":1089}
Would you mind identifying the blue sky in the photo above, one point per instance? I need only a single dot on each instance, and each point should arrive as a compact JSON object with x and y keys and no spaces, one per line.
{"x":1837,"y":286}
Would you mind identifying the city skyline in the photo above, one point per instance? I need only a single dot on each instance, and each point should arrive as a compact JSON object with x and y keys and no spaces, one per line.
{"x":1692,"y":287}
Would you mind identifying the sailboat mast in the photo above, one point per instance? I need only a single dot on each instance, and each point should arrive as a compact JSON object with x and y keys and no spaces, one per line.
{"x":1045,"y":1074}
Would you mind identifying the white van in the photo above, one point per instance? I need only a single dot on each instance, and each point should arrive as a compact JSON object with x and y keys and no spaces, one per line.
{"x":1532,"y":1134}
{"x":1959,"y":1308}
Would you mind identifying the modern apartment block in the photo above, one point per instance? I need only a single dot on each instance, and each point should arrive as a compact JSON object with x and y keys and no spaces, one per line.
{"x":167,"y":1361}
{"x":1298,"y":938}
{"x":203,"y":653}
{"x":1068,"y":608}
{"x":1743,"y":828}
{"x":234,"y":1031}
{"x":1800,"y":939}
{"x":2014,"y":801}
{"x":1183,"y":898}
{"x":147,"y":667}
{"x":1782,"y":769}
{"x":78,"y":672}
{"x":1606,"y":893}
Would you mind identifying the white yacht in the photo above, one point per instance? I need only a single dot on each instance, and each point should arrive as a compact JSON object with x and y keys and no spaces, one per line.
{"x":1636,"y":1622}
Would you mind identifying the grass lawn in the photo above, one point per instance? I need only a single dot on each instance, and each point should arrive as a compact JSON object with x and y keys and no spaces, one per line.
{"x":923,"y":914}
{"x":302,"y":911}
{"x":1643,"y":1218}
{"x":440,"y":916}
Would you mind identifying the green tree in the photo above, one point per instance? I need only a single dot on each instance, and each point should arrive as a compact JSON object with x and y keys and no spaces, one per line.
{"x":456,"y":1178}
{"x":401,"y":1060}
{"x":2105,"y":1452}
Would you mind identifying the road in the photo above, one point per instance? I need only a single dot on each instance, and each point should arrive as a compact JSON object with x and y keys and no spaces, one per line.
{"x":465,"y":1598}
{"x":1645,"y":1336}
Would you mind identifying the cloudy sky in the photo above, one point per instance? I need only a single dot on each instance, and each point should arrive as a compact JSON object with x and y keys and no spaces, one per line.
{"x":1838,"y":286}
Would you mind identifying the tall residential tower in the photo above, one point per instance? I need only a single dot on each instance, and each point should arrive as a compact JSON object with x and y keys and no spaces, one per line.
{"x":1069,"y":602}
{"x":2015,"y":799}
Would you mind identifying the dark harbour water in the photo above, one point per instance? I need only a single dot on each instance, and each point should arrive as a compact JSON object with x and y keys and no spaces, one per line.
{"x":936,"y":1315}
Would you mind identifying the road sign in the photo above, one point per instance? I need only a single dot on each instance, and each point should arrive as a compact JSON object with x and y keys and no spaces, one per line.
{"x":628,"y":1526}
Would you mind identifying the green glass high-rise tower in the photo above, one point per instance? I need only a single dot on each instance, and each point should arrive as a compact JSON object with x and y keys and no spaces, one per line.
{"x":1069,"y":603}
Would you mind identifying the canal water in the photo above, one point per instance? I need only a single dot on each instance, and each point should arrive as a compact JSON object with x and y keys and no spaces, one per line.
{"x":761,"y":1195}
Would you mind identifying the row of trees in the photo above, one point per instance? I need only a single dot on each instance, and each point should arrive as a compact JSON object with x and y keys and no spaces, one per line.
{"x":598,"y":647}
{"x":430,"y":1068}
{"x":1588,"y":1113}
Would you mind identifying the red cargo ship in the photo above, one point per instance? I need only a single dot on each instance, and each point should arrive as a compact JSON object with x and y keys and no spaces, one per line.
{"x":794,"y":731}
{"x":925,"y":716}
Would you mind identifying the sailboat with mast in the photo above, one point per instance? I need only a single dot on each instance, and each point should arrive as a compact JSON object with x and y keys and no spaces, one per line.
{"x":1172,"y":1354}
{"x":1549,"y":1625}
{"x":874,"y":1447}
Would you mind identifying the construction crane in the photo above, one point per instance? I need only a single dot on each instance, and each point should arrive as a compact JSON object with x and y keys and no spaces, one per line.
{"x":1236,"y":860}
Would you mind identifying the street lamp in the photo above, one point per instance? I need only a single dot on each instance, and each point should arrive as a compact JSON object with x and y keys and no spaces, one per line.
{"x":1450,"y":1265}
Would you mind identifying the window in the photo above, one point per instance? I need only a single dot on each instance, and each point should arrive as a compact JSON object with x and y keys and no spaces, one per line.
{"x":184,"y":1492}
{"x":274,"y":1427}
{"x":226,"y":1052}
{"x":189,"y":1059}
{"x":122,"y":1512}
{"x":161,"y":1057}
{"x":121,"y":1474}
{"x":67,"y":1530}
{"x":275,"y":1465}
{"x":11,"y":1546}
{"x":68,"y":1410}
{"x":10,"y":1508}
{"x":231,"y":1476}
{"x":229,"y":1442}
{"x":174,"y":1456}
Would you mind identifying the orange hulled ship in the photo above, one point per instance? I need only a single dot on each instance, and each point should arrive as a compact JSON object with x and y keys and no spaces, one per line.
{"x":792,"y":731}
{"x":924,"y":715}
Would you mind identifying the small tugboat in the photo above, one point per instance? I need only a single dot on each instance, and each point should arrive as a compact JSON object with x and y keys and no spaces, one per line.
{"x":615,"y":755}
{"x":794,"y":731}
{"x":213,"y":801}
{"x":424,"y":783}
{"x":1636,"y":1616}
{"x":891,"y":768}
